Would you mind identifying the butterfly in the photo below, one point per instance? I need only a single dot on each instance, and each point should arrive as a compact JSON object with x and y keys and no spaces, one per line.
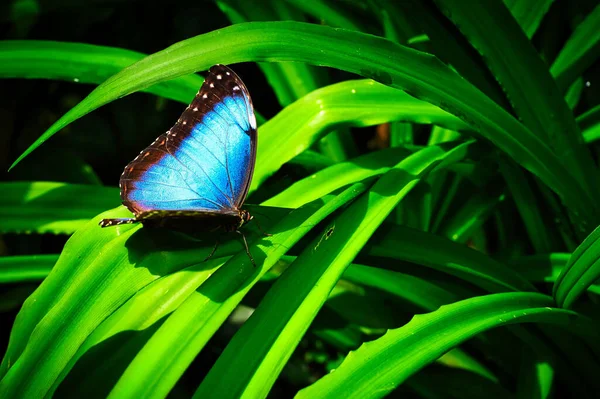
{"x":195,"y":177}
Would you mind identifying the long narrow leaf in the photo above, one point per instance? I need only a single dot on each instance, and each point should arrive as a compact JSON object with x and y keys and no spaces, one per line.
{"x":527,"y":82}
{"x":420,"y":74}
{"x":379,"y":366}
{"x":82,"y":63}
{"x":265,"y":342}
{"x":157,"y":367}
{"x":48,"y":207}
{"x":24,"y":268}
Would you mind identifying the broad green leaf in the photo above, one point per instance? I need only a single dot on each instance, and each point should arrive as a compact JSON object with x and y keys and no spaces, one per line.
{"x":85,"y":63}
{"x":24,"y":268}
{"x":48,"y":207}
{"x":82,"y":63}
{"x":260,"y":349}
{"x":311,"y":160}
{"x":121,"y":335}
{"x":188,"y":329}
{"x":329,"y":179}
{"x":379,"y":366}
{"x":98,"y":270}
{"x":352,"y":103}
{"x":419,"y":74}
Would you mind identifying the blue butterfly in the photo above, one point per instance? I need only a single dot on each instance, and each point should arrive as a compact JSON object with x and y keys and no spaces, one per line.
{"x":196,"y":176}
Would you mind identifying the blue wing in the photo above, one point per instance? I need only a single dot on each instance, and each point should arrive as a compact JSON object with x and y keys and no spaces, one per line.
{"x":205,"y":161}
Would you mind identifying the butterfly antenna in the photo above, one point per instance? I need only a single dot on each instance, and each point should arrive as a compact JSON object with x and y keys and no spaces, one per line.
{"x":246,"y":246}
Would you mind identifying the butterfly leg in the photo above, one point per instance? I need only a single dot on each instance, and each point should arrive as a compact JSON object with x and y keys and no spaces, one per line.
{"x":210,"y":255}
{"x":246,"y":246}
{"x":261,"y":230}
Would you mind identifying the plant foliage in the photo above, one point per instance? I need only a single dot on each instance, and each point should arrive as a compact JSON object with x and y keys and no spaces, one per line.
{"x":427,"y":172}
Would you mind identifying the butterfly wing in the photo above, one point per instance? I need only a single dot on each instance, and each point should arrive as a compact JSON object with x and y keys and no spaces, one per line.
{"x":205,"y":161}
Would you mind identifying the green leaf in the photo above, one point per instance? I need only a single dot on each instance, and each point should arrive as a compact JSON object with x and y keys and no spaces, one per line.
{"x":25,"y":268}
{"x":47,"y":207}
{"x":439,"y":253}
{"x":188,"y":329}
{"x":379,"y":366}
{"x":535,"y":378}
{"x":82,"y":63}
{"x":524,"y":76}
{"x":472,"y":214}
{"x":402,"y":285}
{"x":332,"y":178}
{"x":352,"y":103}
{"x":451,"y":47}
{"x":97,"y":272}
{"x":289,"y":81}
{"x":420,"y":74}
{"x":311,"y":160}
{"x":580,"y":272}
{"x":580,"y":52}
{"x":523,"y":195}
{"x":528,"y":13}
{"x":589,"y":122}
{"x":260,"y":349}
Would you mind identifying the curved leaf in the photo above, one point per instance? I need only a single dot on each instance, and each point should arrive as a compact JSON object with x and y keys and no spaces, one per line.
{"x":184,"y":333}
{"x":24,"y":268}
{"x":82,"y":63}
{"x":351,"y":103}
{"x":260,"y":349}
{"x":580,"y":51}
{"x":329,"y":179}
{"x":580,"y":272}
{"x":421,"y":75}
{"x":527,"y":82}
{"x":379,"y":366}
{"x":48,"y":207}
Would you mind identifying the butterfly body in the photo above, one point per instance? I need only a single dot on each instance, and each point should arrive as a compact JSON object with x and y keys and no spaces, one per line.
{"x":195,"y":177}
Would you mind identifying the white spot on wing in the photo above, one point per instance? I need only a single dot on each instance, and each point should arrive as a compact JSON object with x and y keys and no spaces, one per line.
{"x":212,"y":86}
{"x":219,"y":77}
{"x":252,"y":120}
{"x":205,"y":95}
{"x":195,"y":109}
{"x":236,"y":88}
